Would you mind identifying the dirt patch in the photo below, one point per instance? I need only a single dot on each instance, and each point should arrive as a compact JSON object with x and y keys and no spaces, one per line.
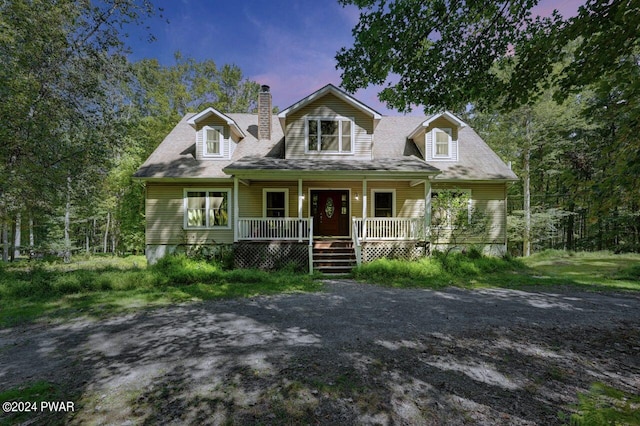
{"x":354,"y":353}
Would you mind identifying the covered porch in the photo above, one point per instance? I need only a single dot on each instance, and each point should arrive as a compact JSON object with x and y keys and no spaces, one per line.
{"x":384,"y":204}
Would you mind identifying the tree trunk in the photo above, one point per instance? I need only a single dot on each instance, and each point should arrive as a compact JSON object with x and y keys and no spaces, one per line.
{"x":5,"y":243}
{"x":32,"y":239}
{"x":67,"y":224}
{"x":526,"y":237}
{"x":106,"y":233}
{"x":16,"y":243}
{"x":569,"y":245}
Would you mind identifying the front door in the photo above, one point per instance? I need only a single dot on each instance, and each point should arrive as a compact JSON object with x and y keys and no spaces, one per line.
{"x":330,"y":211}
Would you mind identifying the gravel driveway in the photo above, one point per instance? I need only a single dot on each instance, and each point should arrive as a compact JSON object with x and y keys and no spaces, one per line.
{"x":353,"y":354}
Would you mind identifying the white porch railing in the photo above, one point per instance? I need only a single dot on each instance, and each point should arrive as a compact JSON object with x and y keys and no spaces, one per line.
{"x":274,"y":228}
{"x":389,"y":228}
{"x":355,"y":232}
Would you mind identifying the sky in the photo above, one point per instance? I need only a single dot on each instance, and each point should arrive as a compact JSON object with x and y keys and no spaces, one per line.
{"x":289,"y":45}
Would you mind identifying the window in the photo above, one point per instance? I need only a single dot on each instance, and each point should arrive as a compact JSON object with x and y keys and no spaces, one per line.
{"x":329,"y":135}
{"x":441,"y":143}
{"x":213,"y":138}
{"x":207,"y":208}
{"x":275,"y":202}
{"x":383,"y":203}
{"x":450,"y":208}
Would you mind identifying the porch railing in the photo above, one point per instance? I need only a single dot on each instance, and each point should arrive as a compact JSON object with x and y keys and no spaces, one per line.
{"x":275,"y":228}
{"x":355,"y":232}
{"x":389,"y":228}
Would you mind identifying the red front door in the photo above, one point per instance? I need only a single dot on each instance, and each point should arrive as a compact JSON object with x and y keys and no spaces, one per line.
{"x":330,"y":210}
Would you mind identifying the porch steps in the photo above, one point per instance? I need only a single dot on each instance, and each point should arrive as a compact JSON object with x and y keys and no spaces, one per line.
{"x":333,"y":256}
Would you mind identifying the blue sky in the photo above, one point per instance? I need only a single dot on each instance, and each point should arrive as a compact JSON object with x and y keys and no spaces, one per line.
{"x":289,"y":45}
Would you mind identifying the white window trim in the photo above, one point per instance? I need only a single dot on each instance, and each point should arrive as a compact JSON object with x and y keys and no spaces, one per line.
{"x":449,"y":132}
{"x":185,"y":206}
{"x":264,"y":200}
{"x":469,"y":205}
{"x":373,"y":200}
{"x":220,"y":129}
{"x":318,"y":151}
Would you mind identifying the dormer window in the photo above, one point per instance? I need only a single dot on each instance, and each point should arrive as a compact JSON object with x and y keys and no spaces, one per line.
{"x":213,"y":138}
{"x":329,"y":135}
{"x":442,"y":143}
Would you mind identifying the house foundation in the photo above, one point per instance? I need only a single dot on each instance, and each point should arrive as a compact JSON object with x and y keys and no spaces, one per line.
{"x":269,"y":255}
{"x":405,"y":250}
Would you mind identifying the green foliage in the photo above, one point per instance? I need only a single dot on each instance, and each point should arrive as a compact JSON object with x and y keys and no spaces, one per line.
{"x":34,"y":393}
{"x":442,"y":55}
{"x":61,"y":67}
{"x":437,"y":271}
{"x":631,"y":273}
{"x":454,"y":219}
{"x":98,"y":286}
{"x":600,"y":270}
{"x":604,"y":405}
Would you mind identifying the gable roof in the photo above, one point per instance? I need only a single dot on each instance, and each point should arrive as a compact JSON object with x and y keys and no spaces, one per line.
{"x":175,"y":157}
{"x":446,"y":114}
{"x":393,"y":152}
{"x":340,"y":94}
{"x":212,"y":111}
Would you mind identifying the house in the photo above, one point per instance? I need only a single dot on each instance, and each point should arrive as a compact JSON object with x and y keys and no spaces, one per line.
{"x":326,"y":183}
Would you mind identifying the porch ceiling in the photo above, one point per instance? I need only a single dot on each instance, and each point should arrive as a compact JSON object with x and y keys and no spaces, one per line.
{"x":390,"y":167}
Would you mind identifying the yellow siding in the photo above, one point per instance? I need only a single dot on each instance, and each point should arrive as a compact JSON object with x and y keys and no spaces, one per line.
{"x":409,"y":200}
{"x":489,"y":200}
{"x":165,"y":207}
{"x":165,"y":217}
{"x":329,"y":106}
{"x":251,"y":197}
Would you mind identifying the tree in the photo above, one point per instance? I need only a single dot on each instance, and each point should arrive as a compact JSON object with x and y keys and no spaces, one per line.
{"x":158,"y":97}
{"x":441,"y":54}
{"x":60,"y":66}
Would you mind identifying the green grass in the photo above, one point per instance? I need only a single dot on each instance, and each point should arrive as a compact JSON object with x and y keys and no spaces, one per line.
{"x":34,"y":394}
{"x":102,"y":286}
{"x":604,"y":405}
{"x":99,"y":287}
{"x":596,"y":271}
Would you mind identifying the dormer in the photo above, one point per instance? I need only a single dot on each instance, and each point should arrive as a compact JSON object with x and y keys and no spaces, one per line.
{"x":216,"y":135}
{"x":329,"y":124}
{"x":437,"y":137}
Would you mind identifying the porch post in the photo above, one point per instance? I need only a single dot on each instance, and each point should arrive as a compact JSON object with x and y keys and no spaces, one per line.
{"x":236,"y":209}
{"x":427,"y":208}
{"x":364,"y":209}
{"x":300,"y":210}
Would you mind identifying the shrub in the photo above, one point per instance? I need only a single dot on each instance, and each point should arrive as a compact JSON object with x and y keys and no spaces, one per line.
{"x":426,"y":272}
{"x":180,"y":269}
{"x":630,"y":273}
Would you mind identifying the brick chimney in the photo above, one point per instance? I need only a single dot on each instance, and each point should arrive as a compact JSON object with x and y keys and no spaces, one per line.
{"x":264,"y":113}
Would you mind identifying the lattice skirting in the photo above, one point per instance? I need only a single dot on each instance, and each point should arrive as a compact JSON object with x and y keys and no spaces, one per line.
{"x":271,"y":254}
{"x":372,"y":250}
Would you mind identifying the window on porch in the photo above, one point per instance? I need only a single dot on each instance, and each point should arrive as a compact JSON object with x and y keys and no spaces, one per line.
{"x":383,"y":204}
{"x":275,"y":202}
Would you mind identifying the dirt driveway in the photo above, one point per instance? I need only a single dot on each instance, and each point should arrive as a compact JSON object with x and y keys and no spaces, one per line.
{"x":353,"y":354}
